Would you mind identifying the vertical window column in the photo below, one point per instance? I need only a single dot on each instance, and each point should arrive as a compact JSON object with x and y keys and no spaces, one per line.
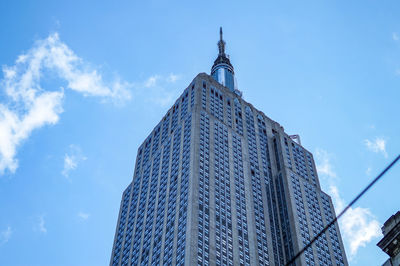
{"x":272,"y":210}
{"x":223,"y":215}
{"x":183,"y":202}
{"x":140,"y":214}
{"x":150,"y":210}
{"x":262,"y":245}
{"x":121,"y":225}
{"x":242,"y":227}
{"x":204,"y":188}
{"x":173,"y":185}
{"x":158,"y":230}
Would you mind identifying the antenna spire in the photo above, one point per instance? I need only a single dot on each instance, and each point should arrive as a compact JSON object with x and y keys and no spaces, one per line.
{"x":221,"y":43}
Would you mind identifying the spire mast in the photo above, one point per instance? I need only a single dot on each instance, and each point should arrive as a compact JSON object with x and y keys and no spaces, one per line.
{"x":221,"y":43}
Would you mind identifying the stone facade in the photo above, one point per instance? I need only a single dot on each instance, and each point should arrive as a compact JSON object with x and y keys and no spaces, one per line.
{"x":390,"y":242}
{"x":217,"y":182}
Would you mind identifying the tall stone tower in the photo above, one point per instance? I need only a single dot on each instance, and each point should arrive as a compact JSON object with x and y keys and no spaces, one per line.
{"x":217,"y":182}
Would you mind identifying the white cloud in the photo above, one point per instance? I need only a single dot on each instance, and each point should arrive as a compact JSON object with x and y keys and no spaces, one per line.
{"x":41,"y":225}
{"x":358,"y":225}
{"x":172,"y":78}
{"x":157,"y":92}
{"x":5,"y":235}
{"x":151,"y":81}
{"x":83,"y":215}
{"x":29,"y":106}
{"x":378,"y":145}
{"x":14,"y":128}
{"x":395,"y":36}
{"x":71,"y":159}
{"x":324,"y":166}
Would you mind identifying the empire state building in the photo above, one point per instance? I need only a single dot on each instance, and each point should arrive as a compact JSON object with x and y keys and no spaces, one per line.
{"x":217,"y":182}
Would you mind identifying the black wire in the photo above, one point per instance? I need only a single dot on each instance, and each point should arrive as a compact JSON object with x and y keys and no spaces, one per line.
{"x":344,"y":210}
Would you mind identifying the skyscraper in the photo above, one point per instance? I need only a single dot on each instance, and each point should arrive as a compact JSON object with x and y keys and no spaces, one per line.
{"x":217,"y":182}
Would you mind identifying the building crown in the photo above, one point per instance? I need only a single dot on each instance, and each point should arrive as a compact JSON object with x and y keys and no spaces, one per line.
{"x":222,"y":69}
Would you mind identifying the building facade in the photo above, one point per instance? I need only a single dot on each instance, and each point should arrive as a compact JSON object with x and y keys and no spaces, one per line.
{"x":217,"y":182}
{"x":390,"y":243}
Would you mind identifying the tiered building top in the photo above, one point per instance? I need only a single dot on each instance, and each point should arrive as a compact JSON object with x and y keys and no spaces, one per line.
{"x":222,"y":70}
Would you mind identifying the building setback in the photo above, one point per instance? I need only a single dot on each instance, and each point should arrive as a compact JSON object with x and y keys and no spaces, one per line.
{"x":217,"y":182}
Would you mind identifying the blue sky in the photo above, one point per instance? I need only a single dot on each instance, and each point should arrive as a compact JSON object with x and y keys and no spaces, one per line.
{"x":84,"y":82}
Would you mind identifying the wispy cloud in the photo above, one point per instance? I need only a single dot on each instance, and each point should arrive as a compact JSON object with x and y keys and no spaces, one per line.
{"x":358,"y":225}
{"x":72,"y":158}
{"x":5,"y":235}
{"x":83,"y":215}
{"x":29,"y":106}
{"x":395,"y":36}
{"x":156,"y":89}
{"x":151,"y":81}
{"x":173,"y":78}
{"x":378,"y":145}
{"x":324,"y":166}
{"x":155,"y":80}
{"x":41,"y":227}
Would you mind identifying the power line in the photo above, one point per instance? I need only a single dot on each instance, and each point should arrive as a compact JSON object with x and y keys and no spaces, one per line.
{"x":345,"y":209}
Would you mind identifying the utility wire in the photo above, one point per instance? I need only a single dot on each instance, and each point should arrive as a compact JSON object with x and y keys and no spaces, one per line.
{"x":345,"y":209}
